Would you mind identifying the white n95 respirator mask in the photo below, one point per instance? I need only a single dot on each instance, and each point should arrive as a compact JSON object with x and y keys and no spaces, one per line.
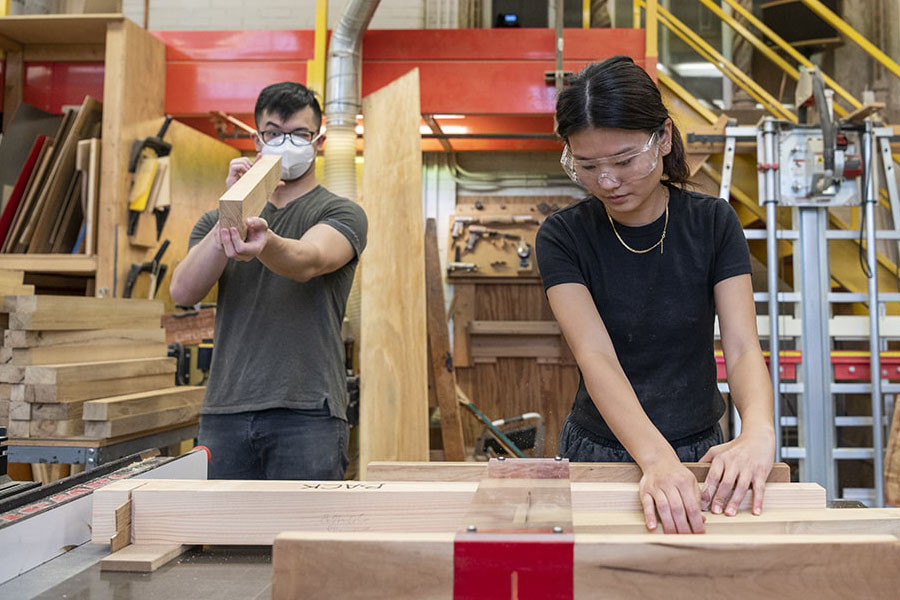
{"x":296,"y":160}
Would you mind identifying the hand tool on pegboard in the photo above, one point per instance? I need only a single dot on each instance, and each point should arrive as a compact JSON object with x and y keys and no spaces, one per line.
{"x":143,"y":166}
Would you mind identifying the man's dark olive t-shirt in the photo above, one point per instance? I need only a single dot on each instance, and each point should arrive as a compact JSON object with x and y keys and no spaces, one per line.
{"x":278,"y":341}
{"x":658,"y":308}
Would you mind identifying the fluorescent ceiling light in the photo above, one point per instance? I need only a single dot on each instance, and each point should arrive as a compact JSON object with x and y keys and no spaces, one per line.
{"x":697,"y":69}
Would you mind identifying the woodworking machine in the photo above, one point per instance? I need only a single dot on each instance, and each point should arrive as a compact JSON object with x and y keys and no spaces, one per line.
{"x":45,"y":531}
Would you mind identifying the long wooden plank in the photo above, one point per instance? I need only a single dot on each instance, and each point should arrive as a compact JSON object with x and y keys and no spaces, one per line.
{"x":248,"y":196}
{"x":394,"y":390}
{"x":80,"y":391}
{"x":624,"y":496}
{"x":311,"y":565}
{"x":737,"y":566}
{"x":528,"y":328}
{"x":825,"y":521}
{"x":73,"y":312}
{"x":116,"y":407}
{"x":439,"y":356}
{"x":146,"y":421}
{"x":586,"y":472}
{"x":228,"y":512}
{"x":41,"y":339}
{"x":141,"y":558}
{"x":96,"y":371}
{"x":53,"y":355}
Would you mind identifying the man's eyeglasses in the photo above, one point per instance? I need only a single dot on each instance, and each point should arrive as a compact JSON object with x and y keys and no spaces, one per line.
{"x":617,"y":169}
{"x":301,"y":137}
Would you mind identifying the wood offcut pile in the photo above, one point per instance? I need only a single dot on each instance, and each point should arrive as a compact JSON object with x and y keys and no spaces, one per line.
{"x":87,"y":367}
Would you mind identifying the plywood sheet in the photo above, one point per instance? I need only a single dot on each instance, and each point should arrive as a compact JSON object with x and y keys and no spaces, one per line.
{"x":393,"y":353}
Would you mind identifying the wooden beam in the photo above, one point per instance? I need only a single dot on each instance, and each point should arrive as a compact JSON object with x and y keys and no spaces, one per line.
{"x":73,"y":264}
{"x":98,"y":371}
{"x":738,"y":567}
{"x":79,"y":391}
{"x":548,"y":328}
{"x":825,"y":521}
{"x":72,"y":312}
{"x":52,"y":355}
{"x":582,"y":472}
{"x":463,"y":312}
{"x":681,"y":567}
{"x":116,"y":407}
{"x":227,"y":512}
{"x":41,"y":339}
{"x":178,"y":405}
{"x":439,"y":356}
{"x":249,"y":195}
{"x":393,"y":352}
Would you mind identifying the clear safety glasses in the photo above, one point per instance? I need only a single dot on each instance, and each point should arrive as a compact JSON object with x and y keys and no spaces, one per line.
{"x":617,"y":169}
{"x":299,"y":138}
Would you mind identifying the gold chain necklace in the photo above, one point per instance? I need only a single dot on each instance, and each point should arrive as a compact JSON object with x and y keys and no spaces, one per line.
{"x":658,"y":243}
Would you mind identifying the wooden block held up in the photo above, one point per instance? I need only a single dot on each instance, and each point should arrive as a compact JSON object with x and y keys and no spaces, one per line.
{"x":249,"y":195}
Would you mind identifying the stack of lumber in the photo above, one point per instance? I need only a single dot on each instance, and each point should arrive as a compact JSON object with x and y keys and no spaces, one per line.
{"x":60,"y":353}
{"x":52,"y":206}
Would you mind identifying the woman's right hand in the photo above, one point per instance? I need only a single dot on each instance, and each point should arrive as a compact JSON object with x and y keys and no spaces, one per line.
{"x":236,"y":168}
{"x":670,"y":495}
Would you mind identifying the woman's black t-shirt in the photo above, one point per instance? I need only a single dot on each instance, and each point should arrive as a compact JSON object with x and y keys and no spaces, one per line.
{"x":659,"y":309}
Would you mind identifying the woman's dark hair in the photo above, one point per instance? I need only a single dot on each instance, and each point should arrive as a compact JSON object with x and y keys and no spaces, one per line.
{"x":284,"y":99}
{"x":619,"y":94}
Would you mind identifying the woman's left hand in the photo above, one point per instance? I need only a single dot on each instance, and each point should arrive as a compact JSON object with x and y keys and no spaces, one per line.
{"x":737,"y":466}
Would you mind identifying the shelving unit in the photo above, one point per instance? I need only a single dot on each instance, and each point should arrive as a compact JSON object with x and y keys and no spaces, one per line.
{"x":133,"y":95}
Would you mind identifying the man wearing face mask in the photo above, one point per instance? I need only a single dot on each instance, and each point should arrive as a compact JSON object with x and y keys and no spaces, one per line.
{"x":276,"y":402}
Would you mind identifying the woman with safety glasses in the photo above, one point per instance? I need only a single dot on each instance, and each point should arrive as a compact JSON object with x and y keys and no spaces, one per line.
{"x":635,"y":275}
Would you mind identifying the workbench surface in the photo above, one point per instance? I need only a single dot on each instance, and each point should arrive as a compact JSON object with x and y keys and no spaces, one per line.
{"x":216,"y":573}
